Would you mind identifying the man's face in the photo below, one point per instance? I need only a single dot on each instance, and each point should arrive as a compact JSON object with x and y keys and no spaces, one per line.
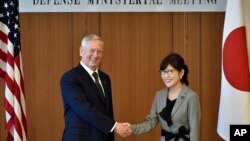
{"x":92,"y":55}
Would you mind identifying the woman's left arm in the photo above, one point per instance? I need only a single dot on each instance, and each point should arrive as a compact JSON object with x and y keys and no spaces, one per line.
{"x":194,"y":113}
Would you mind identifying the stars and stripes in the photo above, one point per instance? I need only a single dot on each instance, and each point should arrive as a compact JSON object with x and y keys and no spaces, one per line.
{"x":11,"y":71}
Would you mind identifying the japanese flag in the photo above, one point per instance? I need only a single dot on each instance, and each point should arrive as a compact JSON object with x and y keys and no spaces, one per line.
{"x":235,"y":80}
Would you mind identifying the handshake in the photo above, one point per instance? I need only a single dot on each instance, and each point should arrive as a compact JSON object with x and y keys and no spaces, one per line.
{"x":123,"y":129}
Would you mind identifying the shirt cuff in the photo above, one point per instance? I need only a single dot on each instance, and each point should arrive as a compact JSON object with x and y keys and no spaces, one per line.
{"x":113,"y":127}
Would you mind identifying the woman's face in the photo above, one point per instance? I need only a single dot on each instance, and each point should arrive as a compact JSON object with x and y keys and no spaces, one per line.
{"x":171,"y":77}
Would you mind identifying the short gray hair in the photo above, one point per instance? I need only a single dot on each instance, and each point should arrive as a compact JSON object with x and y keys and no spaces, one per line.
{"x":89,"y":38}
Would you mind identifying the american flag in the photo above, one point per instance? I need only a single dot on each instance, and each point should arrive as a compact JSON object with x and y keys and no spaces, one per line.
{"x":11,"y":71}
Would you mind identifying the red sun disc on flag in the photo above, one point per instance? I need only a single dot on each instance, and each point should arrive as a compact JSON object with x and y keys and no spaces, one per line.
{"x":235,"y":60}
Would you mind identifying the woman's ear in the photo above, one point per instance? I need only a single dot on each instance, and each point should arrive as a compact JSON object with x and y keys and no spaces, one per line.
{"x":182,"y":73}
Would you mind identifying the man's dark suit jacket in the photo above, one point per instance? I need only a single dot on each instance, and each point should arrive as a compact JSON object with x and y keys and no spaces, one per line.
{"x":87,"y":116}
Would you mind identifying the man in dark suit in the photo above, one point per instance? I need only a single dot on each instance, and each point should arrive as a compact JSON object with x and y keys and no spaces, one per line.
{"x":87,"y":98}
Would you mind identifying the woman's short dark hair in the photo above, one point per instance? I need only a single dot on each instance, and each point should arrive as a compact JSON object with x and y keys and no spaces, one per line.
{"x":176,"y":61}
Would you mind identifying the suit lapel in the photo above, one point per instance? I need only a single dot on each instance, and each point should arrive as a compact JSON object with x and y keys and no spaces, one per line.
{"x":87,"y":78}
{"x":104,"y":84}
{"x":179,"y":100}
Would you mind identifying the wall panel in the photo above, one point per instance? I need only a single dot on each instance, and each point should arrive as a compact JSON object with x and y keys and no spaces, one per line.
{"x":46,"y":46}
{"x":179,"y":32}
{"x":193,"y":48}
{"x":211,"y":42}
{"x":78,"y":26}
